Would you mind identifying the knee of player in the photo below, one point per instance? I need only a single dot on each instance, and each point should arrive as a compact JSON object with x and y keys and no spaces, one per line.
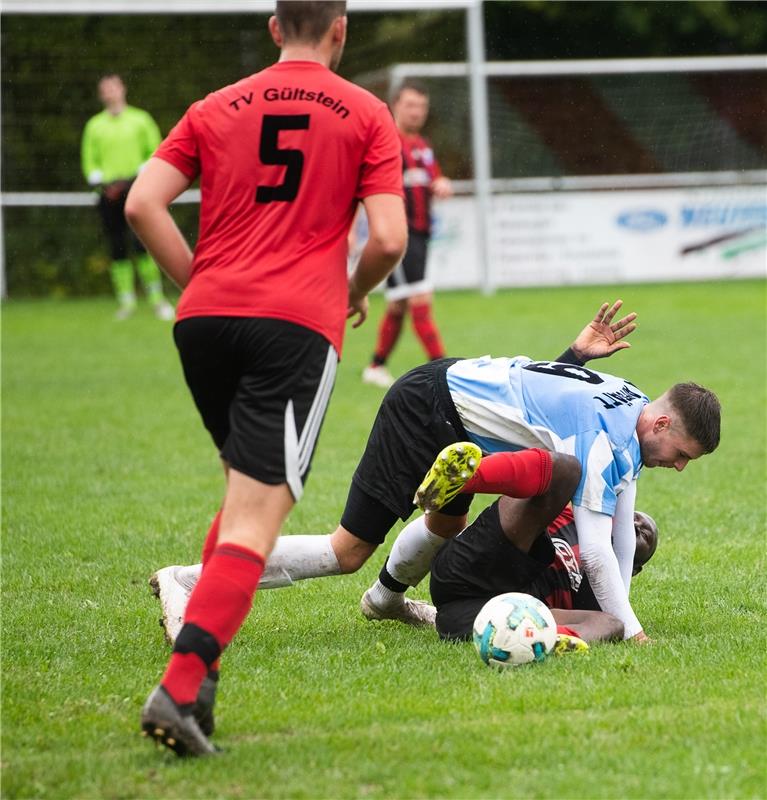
{"x":350,"y":551}
{"x":397,"y":308}
{"x":350,"y":561}
{"x":445,"y":525}
{"x":565,"y":471}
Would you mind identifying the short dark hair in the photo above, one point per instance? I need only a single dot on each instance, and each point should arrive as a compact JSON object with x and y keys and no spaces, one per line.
{"x":307,"y":20}
{"x":108,"y":76}
{"x":699,"y":411}
{"x":412,"y":85}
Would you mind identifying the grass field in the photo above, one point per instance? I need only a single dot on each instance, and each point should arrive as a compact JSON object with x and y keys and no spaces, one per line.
{"x":108,"y":474}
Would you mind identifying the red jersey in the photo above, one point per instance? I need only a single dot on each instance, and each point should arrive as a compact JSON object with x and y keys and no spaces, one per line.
{"x":283,"y":157}
{"x":420,"y":169}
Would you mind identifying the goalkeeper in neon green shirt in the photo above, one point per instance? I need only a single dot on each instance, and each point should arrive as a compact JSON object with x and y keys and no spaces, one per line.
{"x":116,"y":143}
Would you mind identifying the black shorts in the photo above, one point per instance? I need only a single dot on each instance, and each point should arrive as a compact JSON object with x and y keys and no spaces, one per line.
{"x":409,"y":276}
{"x":262,"y":387}
{"x":118,"y":233}
{"x":416,"y":420}
{"x":479,"y":564}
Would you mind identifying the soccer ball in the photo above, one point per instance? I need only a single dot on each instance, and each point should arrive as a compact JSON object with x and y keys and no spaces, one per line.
{"x":513,"y":629}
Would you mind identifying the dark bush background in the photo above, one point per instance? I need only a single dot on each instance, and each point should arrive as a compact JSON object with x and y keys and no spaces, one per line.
{"x":50,"y":65}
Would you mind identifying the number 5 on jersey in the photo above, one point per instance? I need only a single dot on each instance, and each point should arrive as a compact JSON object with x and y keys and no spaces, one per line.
{"x":270,"y":153}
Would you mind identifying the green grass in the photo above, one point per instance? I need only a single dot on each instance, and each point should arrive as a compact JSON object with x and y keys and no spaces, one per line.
{"x":108,"y":474}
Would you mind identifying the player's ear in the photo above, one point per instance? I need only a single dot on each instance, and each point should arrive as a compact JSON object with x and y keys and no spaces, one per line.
{"x":276,"y":33}
{"x":662,"y":423}
{"x":339,"y":29}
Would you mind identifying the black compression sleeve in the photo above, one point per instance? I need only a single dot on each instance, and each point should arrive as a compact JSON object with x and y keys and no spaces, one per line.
{"x":568,"y":357}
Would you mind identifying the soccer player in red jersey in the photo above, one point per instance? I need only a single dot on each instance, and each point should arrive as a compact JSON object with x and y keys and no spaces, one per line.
{"x":407,"y":288}
{"x":283,"y":158}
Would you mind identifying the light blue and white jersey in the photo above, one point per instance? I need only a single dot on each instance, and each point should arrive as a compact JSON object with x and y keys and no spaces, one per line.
{"x":516,"y":403}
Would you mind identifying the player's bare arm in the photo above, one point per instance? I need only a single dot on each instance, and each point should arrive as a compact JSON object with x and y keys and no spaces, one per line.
{"x":591,"y":626}
{"x":384,"y":248}
{"x":146,"y":209}
{"x":602,"y":337}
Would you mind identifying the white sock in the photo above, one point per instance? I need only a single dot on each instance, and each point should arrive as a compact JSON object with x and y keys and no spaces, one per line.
{"x":414,"y":550}
{"x":294,"y":558}
{"x":382,"y":597}
{"x":409,"y":562}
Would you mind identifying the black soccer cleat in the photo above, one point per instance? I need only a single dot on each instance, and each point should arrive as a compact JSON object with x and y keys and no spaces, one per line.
{"x":203,"y":707}
{"x":162,"y":720}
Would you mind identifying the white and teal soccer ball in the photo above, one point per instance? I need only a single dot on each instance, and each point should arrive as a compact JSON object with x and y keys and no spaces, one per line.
{"x":513,"y":629}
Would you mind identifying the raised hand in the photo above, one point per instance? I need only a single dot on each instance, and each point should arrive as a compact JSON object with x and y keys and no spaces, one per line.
{"x":602,"y":337}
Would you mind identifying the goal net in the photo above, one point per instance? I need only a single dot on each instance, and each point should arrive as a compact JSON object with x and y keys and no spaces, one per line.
{"x":603,"y":171}
{"x":683,"y":119}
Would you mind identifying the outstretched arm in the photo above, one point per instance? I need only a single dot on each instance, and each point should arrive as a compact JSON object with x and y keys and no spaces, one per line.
{"x":601,"y":337}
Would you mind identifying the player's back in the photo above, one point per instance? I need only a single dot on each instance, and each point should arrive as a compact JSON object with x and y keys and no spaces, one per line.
{"x":540,"y":403}
{"x":283,"y":156}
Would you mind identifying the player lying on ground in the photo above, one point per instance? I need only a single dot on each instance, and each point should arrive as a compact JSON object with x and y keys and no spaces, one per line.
{"x":498,"y":554}
{"x":428,"y":409}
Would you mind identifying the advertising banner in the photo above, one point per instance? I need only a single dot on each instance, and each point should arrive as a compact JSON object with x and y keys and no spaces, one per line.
{"x":613,"y":236}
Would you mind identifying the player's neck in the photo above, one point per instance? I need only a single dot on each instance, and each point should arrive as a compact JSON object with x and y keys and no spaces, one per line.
{"x":115,"y":109}
{"x":306,"y":52}
{"x":410,"y":132}
{"x":645,"y":421}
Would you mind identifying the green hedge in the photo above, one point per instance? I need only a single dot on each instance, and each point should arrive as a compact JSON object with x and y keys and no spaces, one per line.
{"x":61,"y":252}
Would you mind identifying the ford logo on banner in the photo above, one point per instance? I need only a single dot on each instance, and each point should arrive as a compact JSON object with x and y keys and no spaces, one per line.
{"x":644,"y":220}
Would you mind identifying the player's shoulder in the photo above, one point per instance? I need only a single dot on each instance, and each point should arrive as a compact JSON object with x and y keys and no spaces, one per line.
{"x":488,"y":360}
{"x":361,"y":94}
{"x":95,"y":121}
{"x":139,"y":114}
{"x":420,"y":141}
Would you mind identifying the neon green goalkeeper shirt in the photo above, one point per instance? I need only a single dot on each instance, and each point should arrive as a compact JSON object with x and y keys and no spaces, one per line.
{"x":114,"y":146}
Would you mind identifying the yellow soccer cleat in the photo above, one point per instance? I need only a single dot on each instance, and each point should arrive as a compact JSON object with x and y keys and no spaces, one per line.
{"x":453,"y":468}
{"x":566,"y":643}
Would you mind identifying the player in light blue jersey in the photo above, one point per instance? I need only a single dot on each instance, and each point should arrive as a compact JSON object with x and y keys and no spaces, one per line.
{"x":611,"y":428}
{"x":515,"y":403}
{"x":423,"y":413}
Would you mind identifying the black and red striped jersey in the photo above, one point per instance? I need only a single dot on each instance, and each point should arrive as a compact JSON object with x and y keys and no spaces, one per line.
{"x":419,"y":170}
{"x":562,"y":584}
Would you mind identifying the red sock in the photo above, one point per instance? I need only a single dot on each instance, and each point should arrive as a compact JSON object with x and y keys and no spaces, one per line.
{"x":388,"y":333}
{"x":211,"y":539}
{"x":427,"y":332}
{"x":526,"y":473}
{"x":183,"y":676}
{"x":217,"y":608}
{"x":567,"y":631}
